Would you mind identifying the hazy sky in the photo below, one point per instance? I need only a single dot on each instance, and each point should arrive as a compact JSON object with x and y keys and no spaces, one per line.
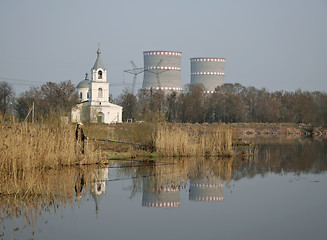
{"x":276,"y":44}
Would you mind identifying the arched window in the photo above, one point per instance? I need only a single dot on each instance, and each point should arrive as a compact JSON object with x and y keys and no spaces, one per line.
{"x":99,"y":74}
{"x":100,"y":93}
{"x":80,"y":95}
{"x":88,"y":95}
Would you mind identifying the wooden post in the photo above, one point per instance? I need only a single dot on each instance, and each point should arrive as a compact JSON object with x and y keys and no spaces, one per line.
{"x":33,"y":113}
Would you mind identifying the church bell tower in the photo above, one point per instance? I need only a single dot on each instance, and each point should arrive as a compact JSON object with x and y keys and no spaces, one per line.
{"x":99,"y":85}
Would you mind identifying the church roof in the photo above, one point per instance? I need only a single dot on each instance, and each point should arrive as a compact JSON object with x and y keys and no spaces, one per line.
{"x":85,"y":83}
{"x":98,"y":63}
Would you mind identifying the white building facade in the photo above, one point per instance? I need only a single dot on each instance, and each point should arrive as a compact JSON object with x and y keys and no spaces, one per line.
{"x":94,"y":105}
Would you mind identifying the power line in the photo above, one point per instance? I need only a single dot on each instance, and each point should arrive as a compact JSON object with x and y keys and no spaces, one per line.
{"x":122,"y":84}
{"x":19,"y":80}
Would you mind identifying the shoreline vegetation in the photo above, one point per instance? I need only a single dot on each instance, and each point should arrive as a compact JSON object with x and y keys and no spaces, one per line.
{"x":164,"y":139}
{"x":51,"y":145}
{"x":31,"y":148}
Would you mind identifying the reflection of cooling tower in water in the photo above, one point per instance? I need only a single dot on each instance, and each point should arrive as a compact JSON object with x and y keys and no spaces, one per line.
{"x":208,"y":189}
{"x":160,"y":196}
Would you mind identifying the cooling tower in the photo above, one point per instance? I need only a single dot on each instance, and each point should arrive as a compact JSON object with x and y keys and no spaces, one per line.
{"x":209,"y":72}
{"x":162,"y":70}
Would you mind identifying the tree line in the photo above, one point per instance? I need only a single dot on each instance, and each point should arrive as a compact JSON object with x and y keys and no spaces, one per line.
{"x":229,"y":103}
{"x":56,"y":99}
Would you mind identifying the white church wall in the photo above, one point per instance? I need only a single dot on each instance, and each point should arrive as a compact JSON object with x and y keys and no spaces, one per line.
{"x":76,"y":114}
{"x":107,"y":114}
{"x":95,"y":86}
{"x":84,"y":92}
{"x":114,"y":116}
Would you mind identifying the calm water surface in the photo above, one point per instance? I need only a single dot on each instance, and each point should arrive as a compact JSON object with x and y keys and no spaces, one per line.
{"x":279,"y":192}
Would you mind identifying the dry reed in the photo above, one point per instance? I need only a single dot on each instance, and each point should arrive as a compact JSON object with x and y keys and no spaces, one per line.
{"x":25,"y":146}
{"x":169,"y":139}
{"x":194,"y":140}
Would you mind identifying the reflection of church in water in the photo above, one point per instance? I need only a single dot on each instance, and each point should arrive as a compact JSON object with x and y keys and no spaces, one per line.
{"x":98,"y":185}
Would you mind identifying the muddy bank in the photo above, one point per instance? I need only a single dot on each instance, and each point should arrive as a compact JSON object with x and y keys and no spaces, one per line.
{"x":264,"y":129}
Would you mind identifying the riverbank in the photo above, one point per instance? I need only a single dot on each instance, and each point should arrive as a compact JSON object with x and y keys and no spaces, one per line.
{"x":27,"y":146}
{"x":130,"y":140}
{"x":277,"y":129}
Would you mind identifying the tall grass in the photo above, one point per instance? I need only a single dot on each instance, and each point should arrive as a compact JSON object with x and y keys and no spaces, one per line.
{"x":170,"y":139}
{"x":25,"y":146}
{"x":194,"y":140}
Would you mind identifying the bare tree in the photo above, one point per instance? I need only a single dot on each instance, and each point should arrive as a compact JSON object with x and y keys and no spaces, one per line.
{"x":49,"y":98}
{"x":6,"y":97}
{"x":192,"y":108}
{"x":129,"y":103}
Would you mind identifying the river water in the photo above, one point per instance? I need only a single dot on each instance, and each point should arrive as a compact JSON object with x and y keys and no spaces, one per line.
{"x":276,"y":190}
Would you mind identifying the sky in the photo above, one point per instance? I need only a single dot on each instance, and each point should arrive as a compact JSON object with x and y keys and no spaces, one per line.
{"x":277,"y":45}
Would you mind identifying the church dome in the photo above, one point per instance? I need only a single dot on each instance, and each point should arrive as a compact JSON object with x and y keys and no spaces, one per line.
{"x":85,"y":83}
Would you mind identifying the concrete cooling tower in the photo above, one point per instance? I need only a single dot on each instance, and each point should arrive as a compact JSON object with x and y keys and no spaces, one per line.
{"x":162,"y":70}
{"x":209,"y":72}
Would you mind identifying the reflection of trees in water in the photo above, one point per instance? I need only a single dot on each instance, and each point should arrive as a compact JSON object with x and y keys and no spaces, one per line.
{"x":283,"y":155}
{"x":204,"y":167}
{"x":29,"y":194}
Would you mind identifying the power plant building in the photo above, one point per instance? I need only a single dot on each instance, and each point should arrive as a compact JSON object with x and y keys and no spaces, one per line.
{"x":209,"y":72}
{"x":162,"y":70}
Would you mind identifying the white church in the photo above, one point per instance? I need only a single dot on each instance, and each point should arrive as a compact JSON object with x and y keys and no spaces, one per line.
{"x":94,"y":105}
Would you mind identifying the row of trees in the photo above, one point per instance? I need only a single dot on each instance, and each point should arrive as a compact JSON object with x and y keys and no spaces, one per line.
{"x":50,"y":98}
{"x":6,"y":98}
{"x":229,"y":103}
